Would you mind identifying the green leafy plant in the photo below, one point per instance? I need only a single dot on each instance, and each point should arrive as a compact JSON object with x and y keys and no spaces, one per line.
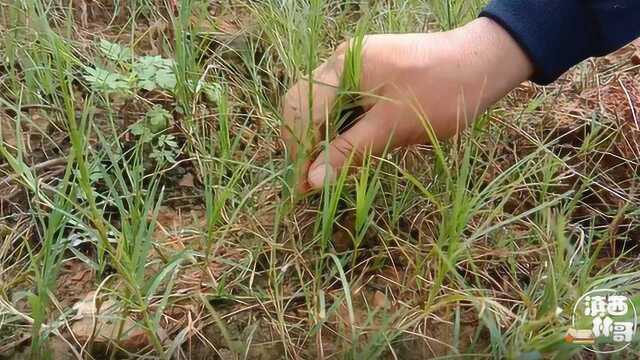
{"x":211,"y":91}
{"x":114,"y":51}
{"x":106,"y":81}
{"x":154,"y":122}
{"x":155,"y":72}
{"x":473,"y":245}
{"x":149,"y":131}
{"x":146,"y":72}
{"x":164,"y":149}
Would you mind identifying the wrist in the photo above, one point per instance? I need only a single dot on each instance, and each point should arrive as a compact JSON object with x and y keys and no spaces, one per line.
{"x":494,"y":55}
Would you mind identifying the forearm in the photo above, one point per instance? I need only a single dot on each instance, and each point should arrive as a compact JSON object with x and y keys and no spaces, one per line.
{"x":498,"y":62}
{"x":483,"y":63}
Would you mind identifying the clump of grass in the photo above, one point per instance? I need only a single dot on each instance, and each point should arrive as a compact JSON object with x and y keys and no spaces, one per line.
{"x":451,"y":14}
{"x":461,"y":248}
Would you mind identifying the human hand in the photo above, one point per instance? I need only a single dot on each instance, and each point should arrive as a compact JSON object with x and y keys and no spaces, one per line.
{"x":445,"y":78}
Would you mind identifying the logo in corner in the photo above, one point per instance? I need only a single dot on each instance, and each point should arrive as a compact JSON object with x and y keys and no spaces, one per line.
{"x":603,"y":321}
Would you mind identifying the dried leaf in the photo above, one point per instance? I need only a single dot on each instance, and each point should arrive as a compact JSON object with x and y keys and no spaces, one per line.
{"x":103,"y":323}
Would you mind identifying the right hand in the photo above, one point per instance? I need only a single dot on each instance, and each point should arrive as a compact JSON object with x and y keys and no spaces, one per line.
{"x":447,"y":78}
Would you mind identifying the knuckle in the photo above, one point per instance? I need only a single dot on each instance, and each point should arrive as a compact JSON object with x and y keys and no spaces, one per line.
{"x":347,"y":149}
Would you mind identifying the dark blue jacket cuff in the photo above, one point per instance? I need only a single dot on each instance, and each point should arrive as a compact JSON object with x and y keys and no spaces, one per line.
{"x":553,"y":33}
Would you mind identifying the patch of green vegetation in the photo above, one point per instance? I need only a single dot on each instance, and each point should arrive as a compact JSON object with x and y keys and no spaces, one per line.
{"x":476,"y":246}
{"x":145,"y":72}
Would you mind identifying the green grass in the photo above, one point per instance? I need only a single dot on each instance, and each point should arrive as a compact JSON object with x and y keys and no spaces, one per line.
{"x":462,"y":248}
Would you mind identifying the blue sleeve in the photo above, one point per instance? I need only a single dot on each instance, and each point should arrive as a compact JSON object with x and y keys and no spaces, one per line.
{"x":557,"y":34}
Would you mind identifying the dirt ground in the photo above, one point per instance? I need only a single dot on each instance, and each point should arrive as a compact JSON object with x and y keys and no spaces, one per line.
{"x":607,"y":87}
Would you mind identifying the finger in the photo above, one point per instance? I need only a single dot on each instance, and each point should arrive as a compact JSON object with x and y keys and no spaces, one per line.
{"x":303,"y":119}
{"x":308,"y":103}
{"x":372,"y":134}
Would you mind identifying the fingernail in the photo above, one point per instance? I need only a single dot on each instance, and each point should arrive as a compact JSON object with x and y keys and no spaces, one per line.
{"x":318,"y":174}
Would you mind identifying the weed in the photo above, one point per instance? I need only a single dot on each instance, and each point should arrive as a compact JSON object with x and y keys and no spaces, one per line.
{"x":141,"y":167}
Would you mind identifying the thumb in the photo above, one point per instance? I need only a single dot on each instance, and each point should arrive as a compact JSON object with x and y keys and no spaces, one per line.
{"x":371,"y":134}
